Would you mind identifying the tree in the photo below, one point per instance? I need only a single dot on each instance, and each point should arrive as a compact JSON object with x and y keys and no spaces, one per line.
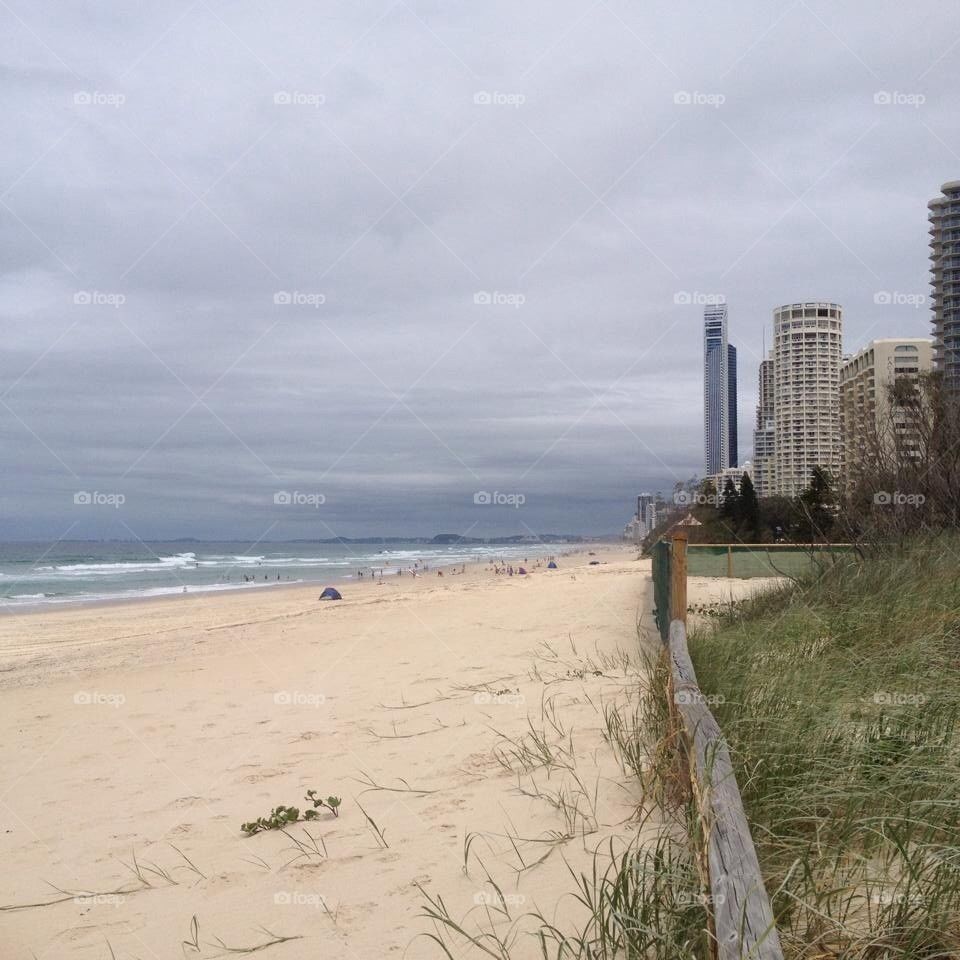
{"x":815,"y":506}
{"x":749,"y":509}
{"x":904,"y":475}
{"x":730,"y":504}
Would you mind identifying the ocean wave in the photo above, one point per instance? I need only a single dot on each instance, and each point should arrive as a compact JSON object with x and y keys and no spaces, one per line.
{"x":44,"y":599}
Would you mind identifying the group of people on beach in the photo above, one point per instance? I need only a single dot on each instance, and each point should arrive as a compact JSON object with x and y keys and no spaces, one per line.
{"x":418,"y":569}
{"x":500,"y":567}
{"x":503,"y":569}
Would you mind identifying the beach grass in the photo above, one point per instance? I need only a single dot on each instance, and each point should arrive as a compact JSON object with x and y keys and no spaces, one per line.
{"x":639,"y":891}
{"x":839,"y":695}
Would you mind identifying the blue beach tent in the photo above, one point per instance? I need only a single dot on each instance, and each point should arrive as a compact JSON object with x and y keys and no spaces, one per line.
{"x":330,"y":594}
{"x":551,"y":565}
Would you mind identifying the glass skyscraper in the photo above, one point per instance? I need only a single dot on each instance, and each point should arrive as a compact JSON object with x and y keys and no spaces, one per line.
{"x":719,"y":392}
{"x":733,"y":454}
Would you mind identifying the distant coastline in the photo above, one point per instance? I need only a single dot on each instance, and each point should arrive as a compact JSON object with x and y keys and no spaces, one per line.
{"x":440,"y":539}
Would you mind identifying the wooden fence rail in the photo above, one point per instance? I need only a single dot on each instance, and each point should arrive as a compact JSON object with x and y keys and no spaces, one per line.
{"x":740,"y":908}
{"x":740,"y":911}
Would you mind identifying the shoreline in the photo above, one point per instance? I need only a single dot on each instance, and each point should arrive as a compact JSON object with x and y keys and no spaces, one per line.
{"x":219,"y":589}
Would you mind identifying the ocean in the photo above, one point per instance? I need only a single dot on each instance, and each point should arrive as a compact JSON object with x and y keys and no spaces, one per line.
{"x":33,"y":574}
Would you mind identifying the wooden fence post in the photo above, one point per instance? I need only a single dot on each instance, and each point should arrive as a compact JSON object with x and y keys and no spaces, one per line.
{"x":729,"y":561}
{"x":678,"y":578}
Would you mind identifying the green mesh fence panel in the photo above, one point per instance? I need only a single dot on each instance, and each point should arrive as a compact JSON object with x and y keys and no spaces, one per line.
{"x":710,"y":560}
{"x":661,"y":587}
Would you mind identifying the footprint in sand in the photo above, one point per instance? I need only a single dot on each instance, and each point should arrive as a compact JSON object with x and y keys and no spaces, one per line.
{"x":257,"y":777}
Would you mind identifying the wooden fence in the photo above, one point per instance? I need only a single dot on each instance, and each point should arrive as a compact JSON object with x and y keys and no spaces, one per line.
{"x":742,"y":920}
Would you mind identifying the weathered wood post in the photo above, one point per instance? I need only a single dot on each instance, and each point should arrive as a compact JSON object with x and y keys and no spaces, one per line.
{"x":729,"y":561}
{"x":678,"y":577}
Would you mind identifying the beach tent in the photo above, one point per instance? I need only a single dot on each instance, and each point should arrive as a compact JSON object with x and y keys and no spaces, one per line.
{"x":330,"y":594}
{"x":551,"y":565}
{"x":521,"y":571}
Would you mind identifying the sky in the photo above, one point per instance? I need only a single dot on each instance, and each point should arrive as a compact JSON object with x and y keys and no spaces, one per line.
{"x":398,"y":268}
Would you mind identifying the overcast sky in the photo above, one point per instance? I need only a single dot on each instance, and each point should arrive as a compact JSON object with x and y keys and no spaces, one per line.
{"x":494,"y":224}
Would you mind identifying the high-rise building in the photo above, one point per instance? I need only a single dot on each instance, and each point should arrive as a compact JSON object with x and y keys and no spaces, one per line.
{"x":733,"y":453}
{"x":945,"y":280}
{"x":716,"y":389}
{"x":807,"y":352}
{"x":873,"y":426}
{"x":644,"y":510}
{"x":763,"y":435}
{"x":644,"y":520}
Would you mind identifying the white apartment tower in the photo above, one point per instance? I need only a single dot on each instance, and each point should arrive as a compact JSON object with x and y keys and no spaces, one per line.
{"x":807,"y":353}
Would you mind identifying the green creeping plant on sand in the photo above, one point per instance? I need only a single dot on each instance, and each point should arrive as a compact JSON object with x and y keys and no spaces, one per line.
{"x":331,"y":803}
{"x":281,"y":816}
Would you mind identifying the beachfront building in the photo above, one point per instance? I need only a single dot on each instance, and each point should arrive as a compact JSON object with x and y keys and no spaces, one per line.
{"x":763,"y":433}
{"x":634,"y":532}
{"x":945,"y":280}
{"x":807,"y":353}
{"x":644,"y":520}
{"x":647,"y":511}
{"x":872,"y":425}
{"x":716,"y":389}
{"x":735,"y":474}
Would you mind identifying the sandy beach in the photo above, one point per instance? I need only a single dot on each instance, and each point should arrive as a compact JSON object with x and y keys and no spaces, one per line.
{"x":138,"y":737}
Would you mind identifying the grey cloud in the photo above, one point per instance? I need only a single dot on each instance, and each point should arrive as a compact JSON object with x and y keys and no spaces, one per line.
{"x":597,"y":199}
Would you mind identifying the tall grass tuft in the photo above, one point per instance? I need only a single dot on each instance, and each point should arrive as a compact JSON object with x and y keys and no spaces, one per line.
{"x":840,"y":698}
